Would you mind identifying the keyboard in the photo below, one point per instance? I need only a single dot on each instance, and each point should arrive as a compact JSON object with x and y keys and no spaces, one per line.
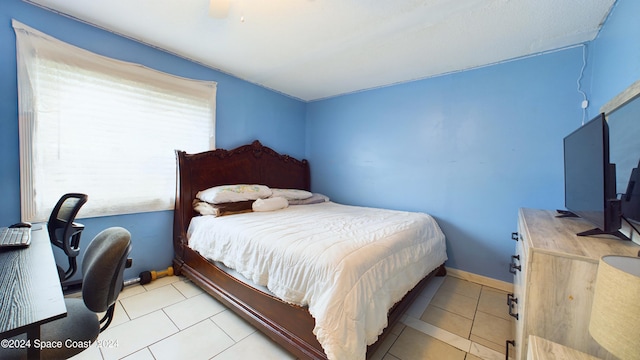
{"x":15,"y":237}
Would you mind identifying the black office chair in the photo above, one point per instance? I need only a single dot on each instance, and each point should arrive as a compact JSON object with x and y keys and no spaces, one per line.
{"x":64,"y":232}
{"x":103,"y":268}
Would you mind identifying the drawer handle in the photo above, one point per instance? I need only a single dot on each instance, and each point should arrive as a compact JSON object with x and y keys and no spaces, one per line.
{"x":514,"y":236}
{"x":511,"y":300}
{"x":509,"y":342}
{"x":513,"y":267}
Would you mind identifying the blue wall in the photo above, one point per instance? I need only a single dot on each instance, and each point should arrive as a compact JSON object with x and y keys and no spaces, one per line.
{"x":245,"y":112}
{"x":614,"y":56}
{"x":469,"y":148}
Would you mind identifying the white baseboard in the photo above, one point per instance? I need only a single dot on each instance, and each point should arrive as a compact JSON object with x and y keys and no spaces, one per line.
{"x":482,"y":280}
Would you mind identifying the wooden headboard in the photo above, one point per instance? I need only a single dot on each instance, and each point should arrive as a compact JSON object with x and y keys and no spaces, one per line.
{"x":248,"y":164}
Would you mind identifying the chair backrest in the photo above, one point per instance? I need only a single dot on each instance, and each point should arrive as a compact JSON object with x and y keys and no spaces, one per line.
{"x":61,"y":227}
{"x":103,"y":268}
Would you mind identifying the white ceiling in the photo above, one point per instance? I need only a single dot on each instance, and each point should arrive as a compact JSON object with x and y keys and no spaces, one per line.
{"x":314,"y":49}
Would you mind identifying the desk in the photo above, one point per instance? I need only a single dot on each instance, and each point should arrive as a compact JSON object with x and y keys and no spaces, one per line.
{"x":30,"y":291}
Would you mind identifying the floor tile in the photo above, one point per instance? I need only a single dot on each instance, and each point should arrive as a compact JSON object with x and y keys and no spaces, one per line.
{"x":144,"y":354}
{"x":449,"y":321}
{"x":384,"y":347}
{"x":472,"y":357}
{"x":491,"y":328}
{"x":462,"y":287}
{"x":397,"y":328}
{"x":422,"y":301}
{"x":119,"y":315}
{"x":255,"y":346}
{"x":455,"y":303}
{"x":187,"y":288}
{"x":136,"y":334}
{"x":478,"y":341}
{"x":233,"y":325}
{"x":91,"y":353}
{"x":494,"y":302}
{"x":193,"y":310}
{"x":414,"y":345}
{"x":150,"y":301}
{"x":131,"y":290}
{"x":203,"y":340}
{"x":484,"y":352}
{"x":160,"y":282}
{"x":454,"y":340}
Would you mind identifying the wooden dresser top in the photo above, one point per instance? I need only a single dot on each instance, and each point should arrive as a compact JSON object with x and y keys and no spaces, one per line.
{"x":544,"y":231}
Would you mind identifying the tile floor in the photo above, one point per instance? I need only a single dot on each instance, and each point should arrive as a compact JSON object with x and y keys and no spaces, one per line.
{"x":171,"y":318}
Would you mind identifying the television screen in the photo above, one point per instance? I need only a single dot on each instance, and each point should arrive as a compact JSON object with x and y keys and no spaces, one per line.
{"x":631,"y":197}
{"x":590,"y":191}
{"x":624,"y":151}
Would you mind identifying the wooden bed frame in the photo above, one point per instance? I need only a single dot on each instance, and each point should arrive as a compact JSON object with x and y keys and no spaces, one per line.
{"x":289,"y":325}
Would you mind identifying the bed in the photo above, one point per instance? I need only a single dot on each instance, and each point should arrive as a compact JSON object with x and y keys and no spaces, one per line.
{"x":285,"y":321}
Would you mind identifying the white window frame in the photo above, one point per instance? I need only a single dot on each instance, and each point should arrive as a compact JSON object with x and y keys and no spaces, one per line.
{"x":103,"y":127}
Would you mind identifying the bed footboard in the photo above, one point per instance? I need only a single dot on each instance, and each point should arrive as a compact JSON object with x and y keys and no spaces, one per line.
{"x":288,"y":325}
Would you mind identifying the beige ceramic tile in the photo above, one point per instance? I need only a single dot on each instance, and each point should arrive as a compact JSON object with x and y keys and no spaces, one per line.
{"x":187,"y":288}
{"x":193,"y":310}
{"x":233,"y":325}
{"x":437,"y":333}
{"x":136,"y":334}
{"x":384,"y":347}
{"x":150,"y":301}
{"x":453,"y":323}
{"x":144,"y":354}
{"x":430,"y":329}
{"x":494,"y":302}
{"x":478,"y":341}
{"x":119,"y":315}
{"x":414,"y":345}
{"x":455,"y":303}
{"x":203,"y":340}
{"x":389,"y":357}
{"x":160,"y":282}
{"x":255,"y":346}
{"x":131,"y":290}
{"x":492,"y":328}
{"x":91,"y":353}
{"x":485,"y":353}
{"x":397,"y":328}
{"x":472,"y":357}
{"x":422,"y":301}
{"x":462,"y":287}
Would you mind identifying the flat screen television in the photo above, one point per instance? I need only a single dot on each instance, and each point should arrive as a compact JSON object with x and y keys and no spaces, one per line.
{"x":631,"y":197}
{"x":590,"y":179}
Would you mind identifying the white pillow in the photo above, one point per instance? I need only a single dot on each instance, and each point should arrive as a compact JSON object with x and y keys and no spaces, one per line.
{"x":291,"y":194}
{"x":270,"y":204}
{"x":233,"y":193}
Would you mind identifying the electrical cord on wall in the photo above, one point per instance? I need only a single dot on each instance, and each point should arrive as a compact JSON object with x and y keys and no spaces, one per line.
{"x":585,"y":102}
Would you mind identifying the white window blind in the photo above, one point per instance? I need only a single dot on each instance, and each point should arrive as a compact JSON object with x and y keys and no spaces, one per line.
{"x":103,"y":127}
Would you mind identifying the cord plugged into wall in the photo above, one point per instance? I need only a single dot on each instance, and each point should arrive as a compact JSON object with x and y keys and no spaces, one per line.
{"x":585,"y":104}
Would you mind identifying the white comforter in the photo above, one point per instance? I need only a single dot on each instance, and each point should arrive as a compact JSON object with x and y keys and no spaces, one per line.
{"x":348,"y":264}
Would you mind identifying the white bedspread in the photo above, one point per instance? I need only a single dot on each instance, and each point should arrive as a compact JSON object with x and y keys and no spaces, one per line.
{"x":348,"y":264}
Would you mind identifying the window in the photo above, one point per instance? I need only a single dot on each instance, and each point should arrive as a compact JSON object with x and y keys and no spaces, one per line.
{"x":103,"y":127}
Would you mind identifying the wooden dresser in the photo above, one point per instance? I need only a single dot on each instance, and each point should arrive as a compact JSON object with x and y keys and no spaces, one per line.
{"x":542,"y":349}
{"x":554,"y":277}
